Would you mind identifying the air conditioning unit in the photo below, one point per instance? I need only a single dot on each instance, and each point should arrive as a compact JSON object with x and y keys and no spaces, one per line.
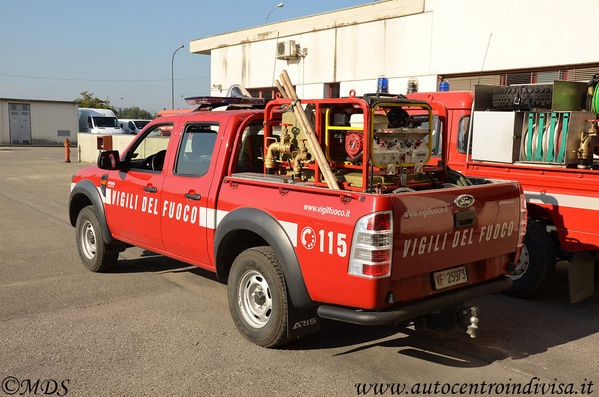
{"x":287,"y":49}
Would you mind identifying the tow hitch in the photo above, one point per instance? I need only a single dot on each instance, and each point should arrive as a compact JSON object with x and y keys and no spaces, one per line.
{"x":466,"y":318}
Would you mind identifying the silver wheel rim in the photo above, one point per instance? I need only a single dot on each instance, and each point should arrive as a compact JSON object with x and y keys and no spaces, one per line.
{"x":88,"y":240}
{"x":522,"y":265}
{"x":254,"y":299}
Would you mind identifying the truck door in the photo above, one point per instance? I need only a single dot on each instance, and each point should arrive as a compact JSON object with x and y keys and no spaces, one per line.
{"x":133,"y":199}
{"x":186,"y":212}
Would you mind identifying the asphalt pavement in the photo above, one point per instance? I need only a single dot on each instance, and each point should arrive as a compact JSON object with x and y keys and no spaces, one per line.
{"x":156,"y":326}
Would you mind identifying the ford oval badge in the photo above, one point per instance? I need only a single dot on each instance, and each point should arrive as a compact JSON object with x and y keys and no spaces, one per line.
{"x":464,"y":200}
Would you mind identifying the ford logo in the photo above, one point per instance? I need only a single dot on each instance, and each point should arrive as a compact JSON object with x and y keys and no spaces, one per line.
{"x":464,"y":200}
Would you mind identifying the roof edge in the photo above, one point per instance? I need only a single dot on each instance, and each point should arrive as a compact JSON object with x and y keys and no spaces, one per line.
{"x":312,"y":23}
{"x":35,"y":100}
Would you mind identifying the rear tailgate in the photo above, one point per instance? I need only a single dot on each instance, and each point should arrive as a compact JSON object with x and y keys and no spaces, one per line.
{"x":437,"y":230}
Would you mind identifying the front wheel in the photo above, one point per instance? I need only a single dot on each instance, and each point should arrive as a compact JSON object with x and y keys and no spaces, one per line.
{"x":537,"y":262}
{"x":95,"y":254}
{"x":258,"y":297}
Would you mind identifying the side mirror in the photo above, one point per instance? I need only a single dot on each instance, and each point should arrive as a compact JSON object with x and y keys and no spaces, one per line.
{"x":109,"y":160}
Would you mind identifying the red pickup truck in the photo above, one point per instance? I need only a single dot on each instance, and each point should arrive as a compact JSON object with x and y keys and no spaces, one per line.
{"x":240,"y":193}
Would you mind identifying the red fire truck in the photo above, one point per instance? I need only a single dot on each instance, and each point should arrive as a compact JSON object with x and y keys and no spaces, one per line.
{"x":242,"y":193}
{"x":550,"y":147}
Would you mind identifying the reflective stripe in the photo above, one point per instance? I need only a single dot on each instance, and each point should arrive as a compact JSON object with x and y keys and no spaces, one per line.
{"x":291,"y":230}
{"x":210,"y":217}
{"x":101,"y":195}
{"x":563,"y":200}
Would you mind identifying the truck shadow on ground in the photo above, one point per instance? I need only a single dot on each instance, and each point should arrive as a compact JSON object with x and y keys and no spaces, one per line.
{"x":509,"y":328}
{"x":150,"y":262}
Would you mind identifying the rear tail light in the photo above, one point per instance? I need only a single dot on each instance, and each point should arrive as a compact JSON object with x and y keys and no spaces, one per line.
{"x":372,"y":246}
{"x":523,"y":220}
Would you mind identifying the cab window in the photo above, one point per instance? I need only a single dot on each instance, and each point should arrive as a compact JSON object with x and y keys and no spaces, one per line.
{"x":195,"y":151}
{"x":149,"y":152}
{"x":463,"y":130}
{"x":251,"y":151}
{"x":437,"y":135}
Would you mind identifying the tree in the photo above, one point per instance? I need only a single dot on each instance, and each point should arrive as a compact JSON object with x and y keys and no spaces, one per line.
{"x":133,"y":112}
{"x":88,"y":100}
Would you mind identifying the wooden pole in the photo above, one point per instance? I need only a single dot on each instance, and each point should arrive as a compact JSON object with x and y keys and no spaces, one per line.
{"x":281,"y":89}
{"x":322,"y":161}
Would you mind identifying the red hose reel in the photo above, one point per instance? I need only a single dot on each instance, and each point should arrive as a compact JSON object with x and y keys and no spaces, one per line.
{"x":353,"y":144}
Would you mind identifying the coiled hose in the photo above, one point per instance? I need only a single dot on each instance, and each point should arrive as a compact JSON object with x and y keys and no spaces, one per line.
{"x":595,"y":101}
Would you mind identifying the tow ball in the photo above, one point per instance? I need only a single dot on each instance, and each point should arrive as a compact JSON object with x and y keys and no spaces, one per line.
{"x":469,"y":321}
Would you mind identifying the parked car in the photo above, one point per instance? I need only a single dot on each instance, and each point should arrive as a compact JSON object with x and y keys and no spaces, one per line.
{"x":132,"y":126}
{"x":98,"y":121}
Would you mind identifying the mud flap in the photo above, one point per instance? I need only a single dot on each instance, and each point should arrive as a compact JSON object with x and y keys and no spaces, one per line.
{"x":302,"y":321}
{"x":581,"y":276}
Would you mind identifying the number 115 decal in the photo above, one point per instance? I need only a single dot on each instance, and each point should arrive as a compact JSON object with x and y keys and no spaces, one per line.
{"x":326,"y":241}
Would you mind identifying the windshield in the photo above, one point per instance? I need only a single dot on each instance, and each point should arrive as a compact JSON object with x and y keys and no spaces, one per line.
{"x":103,"y":122}
{"x":140,"y":123}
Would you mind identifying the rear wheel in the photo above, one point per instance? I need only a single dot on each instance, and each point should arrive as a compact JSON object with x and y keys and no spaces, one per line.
{"x":537,"y":262}
{"x":95,"y":254}
{"x":258,"y":297}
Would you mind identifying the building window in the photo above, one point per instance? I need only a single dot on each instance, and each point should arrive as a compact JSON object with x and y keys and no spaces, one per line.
{"x":540,"y":76}
{"x":267,"y":93}
{"x":331,"y":90}
{"x":519,"y":78}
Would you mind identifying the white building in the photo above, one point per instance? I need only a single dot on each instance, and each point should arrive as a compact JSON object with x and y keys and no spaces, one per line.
{"x":464,"y":41}
{"x":37,"y":122}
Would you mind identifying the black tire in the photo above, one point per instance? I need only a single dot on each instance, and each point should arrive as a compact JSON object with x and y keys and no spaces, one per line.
{"x":458,"y":178}
{"x":95,"y":254}
{"x":537,"y":262}
{"x":524,"y":97}
{"x":258,"y":297}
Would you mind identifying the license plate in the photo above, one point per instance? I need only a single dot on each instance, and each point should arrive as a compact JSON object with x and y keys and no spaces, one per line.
{"x":450,"y":277}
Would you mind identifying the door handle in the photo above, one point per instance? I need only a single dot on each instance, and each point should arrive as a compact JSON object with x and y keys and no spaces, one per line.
{"x":193,"y":196}
{"x":150,"y":189}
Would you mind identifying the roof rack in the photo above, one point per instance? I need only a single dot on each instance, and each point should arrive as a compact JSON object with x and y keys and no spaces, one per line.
{"x":211,"y":102}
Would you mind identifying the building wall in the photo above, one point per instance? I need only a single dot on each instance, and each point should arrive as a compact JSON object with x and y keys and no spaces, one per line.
{"x":525,"y":34}
{"x":87,"y":148}
{"x":449,"y":37}
{"x":47,"y":118}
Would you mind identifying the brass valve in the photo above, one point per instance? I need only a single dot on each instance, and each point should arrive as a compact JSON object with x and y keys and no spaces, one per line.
{"x":302,"y":155}
{"x":589,"y":142}
{"x":279,"y":147}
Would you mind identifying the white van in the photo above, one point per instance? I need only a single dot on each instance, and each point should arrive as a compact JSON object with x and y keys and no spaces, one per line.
{"x":98,"y":121}
{"x":132,"y":126}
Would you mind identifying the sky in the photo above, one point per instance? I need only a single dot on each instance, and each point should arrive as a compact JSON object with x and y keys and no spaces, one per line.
{"x":122,"y":50}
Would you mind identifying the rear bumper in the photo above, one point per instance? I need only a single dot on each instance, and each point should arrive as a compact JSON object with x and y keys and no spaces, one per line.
{"x":410,"y":311}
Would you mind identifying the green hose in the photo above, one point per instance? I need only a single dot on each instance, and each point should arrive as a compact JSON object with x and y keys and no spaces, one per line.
{"x":595,"y":103}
